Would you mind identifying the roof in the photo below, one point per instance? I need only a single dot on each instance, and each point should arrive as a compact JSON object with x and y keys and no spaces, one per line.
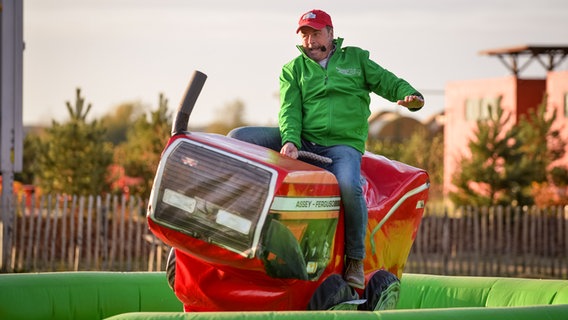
{"x":554,"y":56}
{"x":527,"y":49}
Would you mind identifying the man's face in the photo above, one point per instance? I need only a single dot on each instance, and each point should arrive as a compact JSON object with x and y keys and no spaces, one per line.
{"x":314,"y":40}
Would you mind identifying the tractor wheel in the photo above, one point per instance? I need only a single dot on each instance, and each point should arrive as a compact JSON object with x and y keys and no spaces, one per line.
{"x":171,"y":268}
{"x":382,"y":292}
{"x":332,"y":292}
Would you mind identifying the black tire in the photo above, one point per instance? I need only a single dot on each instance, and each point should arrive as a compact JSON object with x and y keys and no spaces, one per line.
{"x":382,"y":292}
{"x":171,"y":268}
{"x":333,"y":291}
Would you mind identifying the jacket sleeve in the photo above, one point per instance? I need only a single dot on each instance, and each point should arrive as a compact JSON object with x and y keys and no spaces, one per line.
{"x":290,"y":115}
{"x":383,"y":82}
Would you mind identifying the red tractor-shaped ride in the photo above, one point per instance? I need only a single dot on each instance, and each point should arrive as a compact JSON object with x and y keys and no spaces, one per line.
{"x":252,"y":230}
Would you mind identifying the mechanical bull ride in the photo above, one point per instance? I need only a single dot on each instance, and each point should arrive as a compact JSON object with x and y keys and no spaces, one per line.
{"x":252,"y":230}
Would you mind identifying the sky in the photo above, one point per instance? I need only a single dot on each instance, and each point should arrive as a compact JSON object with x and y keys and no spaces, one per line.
{"x":123,"y":51}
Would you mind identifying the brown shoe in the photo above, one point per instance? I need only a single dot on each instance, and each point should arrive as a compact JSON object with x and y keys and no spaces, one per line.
{"x":354,"y":274}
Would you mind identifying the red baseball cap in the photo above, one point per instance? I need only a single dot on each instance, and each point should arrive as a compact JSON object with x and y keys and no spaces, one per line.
{"x":316,"y":19}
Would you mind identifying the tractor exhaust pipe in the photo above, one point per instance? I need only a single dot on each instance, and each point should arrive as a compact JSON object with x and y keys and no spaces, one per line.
{"x":181,"y":119}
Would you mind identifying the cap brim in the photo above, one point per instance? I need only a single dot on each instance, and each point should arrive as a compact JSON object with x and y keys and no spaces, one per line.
{"x":311,"y":24}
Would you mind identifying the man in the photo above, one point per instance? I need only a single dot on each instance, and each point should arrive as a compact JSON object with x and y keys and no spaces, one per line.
{"x":324,"y":109}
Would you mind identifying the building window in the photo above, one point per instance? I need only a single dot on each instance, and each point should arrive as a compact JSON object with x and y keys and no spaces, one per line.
{"x":481,"y":109}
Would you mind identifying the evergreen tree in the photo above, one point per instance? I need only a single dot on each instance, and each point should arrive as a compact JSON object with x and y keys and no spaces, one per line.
{"x":543,"y":146}
{"x":497,"y":171}
{"x":72,"y":157}
{"x":511,"y":166}
{"x":543,"y":143}
{"x":31,"y":149}
{"x":141,"y":152}
{"x":118,"y":122}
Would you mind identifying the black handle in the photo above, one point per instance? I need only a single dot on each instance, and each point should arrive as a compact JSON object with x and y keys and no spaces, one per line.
{"x":186,"y":107}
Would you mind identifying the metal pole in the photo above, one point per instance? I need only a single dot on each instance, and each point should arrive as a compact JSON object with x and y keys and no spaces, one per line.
{"x":11,"y":126}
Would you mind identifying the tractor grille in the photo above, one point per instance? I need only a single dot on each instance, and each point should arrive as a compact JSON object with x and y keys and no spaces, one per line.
{"x":212,"y":195}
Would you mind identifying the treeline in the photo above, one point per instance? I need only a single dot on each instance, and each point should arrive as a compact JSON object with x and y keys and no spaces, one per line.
{"x":116,"y":154}
{"x":509,"y":163}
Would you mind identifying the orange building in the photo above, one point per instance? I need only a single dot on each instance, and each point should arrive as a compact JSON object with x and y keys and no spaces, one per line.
{"x":468,"y":101}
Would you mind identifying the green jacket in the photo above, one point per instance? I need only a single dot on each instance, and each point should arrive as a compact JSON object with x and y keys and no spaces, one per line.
{"x":331,"y":106}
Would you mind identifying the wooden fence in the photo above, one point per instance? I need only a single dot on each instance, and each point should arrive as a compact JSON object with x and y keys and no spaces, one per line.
{"x":111,"y":234}
{"x":496,"y":241}
{"x":83,"y":233}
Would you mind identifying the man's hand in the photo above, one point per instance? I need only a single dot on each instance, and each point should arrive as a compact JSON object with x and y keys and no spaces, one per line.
{"x":411,"y":102}
{"x":290,"y":150}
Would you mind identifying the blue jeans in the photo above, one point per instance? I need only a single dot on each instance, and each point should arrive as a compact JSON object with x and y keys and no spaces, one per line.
{"x":346,"y":167}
